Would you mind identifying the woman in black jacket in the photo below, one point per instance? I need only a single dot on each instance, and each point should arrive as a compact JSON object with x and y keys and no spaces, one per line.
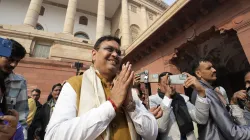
{"x":42,"y":117}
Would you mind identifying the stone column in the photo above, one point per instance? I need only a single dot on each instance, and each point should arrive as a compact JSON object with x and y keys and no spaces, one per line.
{"x":100,"y":19}
{"x":125,"y":25}
{"x":33,"y":13}
{"x":144,"y":20}
{"x":70,"y":17}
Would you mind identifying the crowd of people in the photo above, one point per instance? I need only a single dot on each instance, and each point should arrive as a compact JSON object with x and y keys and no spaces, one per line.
{"x":108,"y":102}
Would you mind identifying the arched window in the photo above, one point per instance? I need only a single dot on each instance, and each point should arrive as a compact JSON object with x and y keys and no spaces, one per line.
{"x":117,"y":33}
{"x":83,"y":20}
{"x":81,"y":35}
{"x":135,"y":31}
{"x":39,"y":27}
{"x":42,"y":11}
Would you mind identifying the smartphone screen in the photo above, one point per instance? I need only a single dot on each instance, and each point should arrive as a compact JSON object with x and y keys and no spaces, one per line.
{"x":177,"y":79}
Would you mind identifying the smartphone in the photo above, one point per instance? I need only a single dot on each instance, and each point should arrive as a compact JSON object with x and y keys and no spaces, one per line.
{"x":152,"y":78}
{"x":178,"y":79}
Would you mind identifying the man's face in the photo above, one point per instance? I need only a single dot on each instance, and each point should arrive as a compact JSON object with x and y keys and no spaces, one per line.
{"x":56,"y":92}
{"x":7,"y":65}
{"x":35,"y":95}
{"x":140,"y":95}
{"x":107,"y":59}
{"x":143,"y":97}
{"x":247,"y":80}
{"x":165,"y":85}
{"x":206,"y":72}
{"x":161,"y":85}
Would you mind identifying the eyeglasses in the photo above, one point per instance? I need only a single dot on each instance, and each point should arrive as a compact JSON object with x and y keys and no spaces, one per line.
{"x":35,"y":95}
{"x":111,"y":50}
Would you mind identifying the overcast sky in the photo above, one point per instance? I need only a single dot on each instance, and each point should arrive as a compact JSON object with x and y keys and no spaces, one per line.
{"x":169,"y":2}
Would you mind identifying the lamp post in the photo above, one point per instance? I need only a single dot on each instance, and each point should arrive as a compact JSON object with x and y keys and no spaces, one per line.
{"x":78,"y":65}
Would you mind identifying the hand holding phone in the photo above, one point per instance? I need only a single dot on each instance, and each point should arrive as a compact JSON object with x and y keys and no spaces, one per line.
{"x":192,"y":82}
{"x":156,"y":111}
{"x":136,"y":80}
{"x":178,"y":79}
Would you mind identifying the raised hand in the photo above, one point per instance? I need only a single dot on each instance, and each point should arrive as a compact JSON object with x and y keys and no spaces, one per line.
{"x":136,"y":80}
{"x":156,"y":111}
{"x":129,"y":104}
{"x":242,"y":94}
{"x":169,"y":90}
{"x":121,"y":85}
{"x":192,"y":81}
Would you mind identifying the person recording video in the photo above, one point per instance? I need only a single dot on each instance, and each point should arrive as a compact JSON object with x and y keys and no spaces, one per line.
{"x":220,"y":125}
{"x":178,"y":113}
{"x":240,"y":103}
{"x":140,"y":88}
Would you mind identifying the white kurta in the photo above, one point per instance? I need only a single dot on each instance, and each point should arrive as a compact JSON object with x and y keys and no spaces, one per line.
{"x":168,"y":127}
{"x":65,"y":125}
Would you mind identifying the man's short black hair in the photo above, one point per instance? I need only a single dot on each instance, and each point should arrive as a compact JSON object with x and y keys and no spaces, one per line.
{"x":18,"y":51}
{"x":163,"y":74}
{"x":196,"y":63}
{"x":106,"y":38}
{"x":36,"y":90}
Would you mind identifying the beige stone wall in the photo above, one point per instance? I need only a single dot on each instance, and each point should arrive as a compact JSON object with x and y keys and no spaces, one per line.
{"x":149,"y":5}
{"x":52,"y":20}
{"x":60,"y":51}
{"x":62,"y":46}
{"x":135,"y":18}
{"x":151,"y":21}
{"x":65,"y":46}
{"x":116,"y":21}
